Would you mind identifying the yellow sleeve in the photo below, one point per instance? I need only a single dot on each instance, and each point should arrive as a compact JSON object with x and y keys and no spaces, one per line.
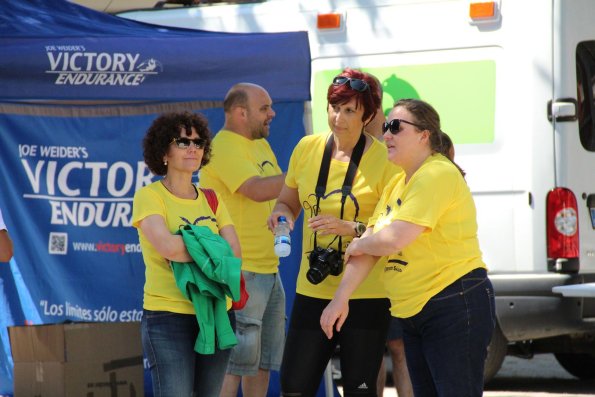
{"x":422,"y":205}
{"x":145,"y":203}
{"x":296,"y":155}
{"x":235,"y":167}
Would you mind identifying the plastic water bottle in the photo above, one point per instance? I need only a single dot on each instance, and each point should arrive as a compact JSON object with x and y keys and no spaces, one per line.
{"x":282,"y":238}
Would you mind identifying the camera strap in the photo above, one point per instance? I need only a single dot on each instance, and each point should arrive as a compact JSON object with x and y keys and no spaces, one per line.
{"x":325,"y":165}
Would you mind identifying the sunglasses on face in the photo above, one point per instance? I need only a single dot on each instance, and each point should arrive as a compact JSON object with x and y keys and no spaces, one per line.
{"x":394,"y":126}
{"x":356,"y":84}
{"x":184,"y":143}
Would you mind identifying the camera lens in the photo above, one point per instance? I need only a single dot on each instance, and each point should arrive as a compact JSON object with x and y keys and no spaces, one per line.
{"x":322,"y":263}
{"x":316,"y":274}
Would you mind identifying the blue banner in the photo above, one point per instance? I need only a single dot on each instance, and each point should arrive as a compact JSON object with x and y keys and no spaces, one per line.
{"x":68,"y":184}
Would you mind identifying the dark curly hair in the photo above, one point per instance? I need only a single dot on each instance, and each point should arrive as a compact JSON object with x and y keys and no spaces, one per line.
{"x":369,"y":99}
{"x":167,"y":127}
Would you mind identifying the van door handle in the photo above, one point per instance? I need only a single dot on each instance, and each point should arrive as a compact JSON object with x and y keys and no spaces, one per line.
{"x":591,"y":206}
{"x":563,"y":109}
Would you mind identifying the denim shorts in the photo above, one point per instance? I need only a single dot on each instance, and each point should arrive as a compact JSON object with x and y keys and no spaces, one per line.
{"x":260,"y":326}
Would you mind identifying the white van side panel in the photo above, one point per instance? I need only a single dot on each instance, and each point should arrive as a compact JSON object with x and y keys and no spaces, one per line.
{"x":510,"y":174}
{"x":491,"y":83}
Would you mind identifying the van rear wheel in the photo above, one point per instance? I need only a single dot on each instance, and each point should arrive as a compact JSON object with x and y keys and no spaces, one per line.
{"x":581,"y":365}
{"x":496,"y":352}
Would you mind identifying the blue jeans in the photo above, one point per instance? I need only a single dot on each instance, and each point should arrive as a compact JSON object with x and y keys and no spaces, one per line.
{"x":176,"y":369}
{"x":395,"y":330}
{"x":446,"y":343}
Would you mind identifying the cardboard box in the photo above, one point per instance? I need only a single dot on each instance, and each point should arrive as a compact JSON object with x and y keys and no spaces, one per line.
{"x":77,"y":360}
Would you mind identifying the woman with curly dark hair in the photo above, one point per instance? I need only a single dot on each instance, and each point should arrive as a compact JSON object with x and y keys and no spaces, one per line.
{"x":176,"y":146}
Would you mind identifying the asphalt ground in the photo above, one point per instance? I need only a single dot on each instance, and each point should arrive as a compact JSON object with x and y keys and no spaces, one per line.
{"x":540,"y":376}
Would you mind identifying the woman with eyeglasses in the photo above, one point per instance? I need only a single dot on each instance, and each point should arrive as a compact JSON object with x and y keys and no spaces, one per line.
{"x":425,"y":225}
{"x":175,"y":146}
{"x":336,"y":178}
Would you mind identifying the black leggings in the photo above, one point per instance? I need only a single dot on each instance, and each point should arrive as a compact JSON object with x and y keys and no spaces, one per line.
{"x":308,"y":350}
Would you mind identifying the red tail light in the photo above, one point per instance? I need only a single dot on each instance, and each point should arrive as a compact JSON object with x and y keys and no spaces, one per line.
{"x":562,"y":224}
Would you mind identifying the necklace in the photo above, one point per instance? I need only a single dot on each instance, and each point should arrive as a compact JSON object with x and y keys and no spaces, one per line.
{"x":169,"y":189}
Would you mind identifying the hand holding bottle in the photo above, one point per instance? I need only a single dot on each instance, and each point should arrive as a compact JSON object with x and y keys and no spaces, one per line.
{"x":282,"y":237}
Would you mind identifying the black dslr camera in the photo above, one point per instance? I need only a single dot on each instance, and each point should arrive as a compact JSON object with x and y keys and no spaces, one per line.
{"x":323,"y":261}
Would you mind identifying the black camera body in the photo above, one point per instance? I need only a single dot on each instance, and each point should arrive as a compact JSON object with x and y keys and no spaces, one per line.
{"x":323,"y":261}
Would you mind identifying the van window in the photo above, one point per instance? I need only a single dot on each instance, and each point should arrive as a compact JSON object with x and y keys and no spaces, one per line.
{"x":585,"y":76}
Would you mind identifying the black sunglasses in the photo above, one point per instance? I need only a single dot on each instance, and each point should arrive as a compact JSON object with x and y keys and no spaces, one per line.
{"x":394,"y":126}
{"x":184,"y":143}
{"x":356,"y":84}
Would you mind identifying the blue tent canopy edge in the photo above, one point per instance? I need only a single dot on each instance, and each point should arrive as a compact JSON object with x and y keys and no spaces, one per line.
{"x":55,"y":50}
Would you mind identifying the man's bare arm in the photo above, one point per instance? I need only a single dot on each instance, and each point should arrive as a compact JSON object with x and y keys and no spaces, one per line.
{"x":262,"y":188}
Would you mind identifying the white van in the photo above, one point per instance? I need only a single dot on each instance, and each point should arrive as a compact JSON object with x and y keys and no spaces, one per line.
{"x":513,"y":83}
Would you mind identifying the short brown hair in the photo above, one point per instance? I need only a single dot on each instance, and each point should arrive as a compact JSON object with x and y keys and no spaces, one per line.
{"x":369,"y":99}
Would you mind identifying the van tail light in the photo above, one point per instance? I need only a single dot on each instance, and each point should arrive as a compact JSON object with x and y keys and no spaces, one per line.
{"x":562,"y":225}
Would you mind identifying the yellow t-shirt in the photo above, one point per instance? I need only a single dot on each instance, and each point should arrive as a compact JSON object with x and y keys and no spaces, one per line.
{"x":234,"y":160}
{"x":373,"y":173}
{"x":438,"y":198}
{"x":161,"y":291}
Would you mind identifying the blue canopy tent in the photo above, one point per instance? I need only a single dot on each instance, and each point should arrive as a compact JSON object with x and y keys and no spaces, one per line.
{"x":78,"y":90}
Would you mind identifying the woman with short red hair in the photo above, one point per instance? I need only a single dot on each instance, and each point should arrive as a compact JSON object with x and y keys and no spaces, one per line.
{"x":337,"y":179}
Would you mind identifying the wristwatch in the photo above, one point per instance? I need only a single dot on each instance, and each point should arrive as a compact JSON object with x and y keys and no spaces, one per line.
{"x":360,"y":229}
